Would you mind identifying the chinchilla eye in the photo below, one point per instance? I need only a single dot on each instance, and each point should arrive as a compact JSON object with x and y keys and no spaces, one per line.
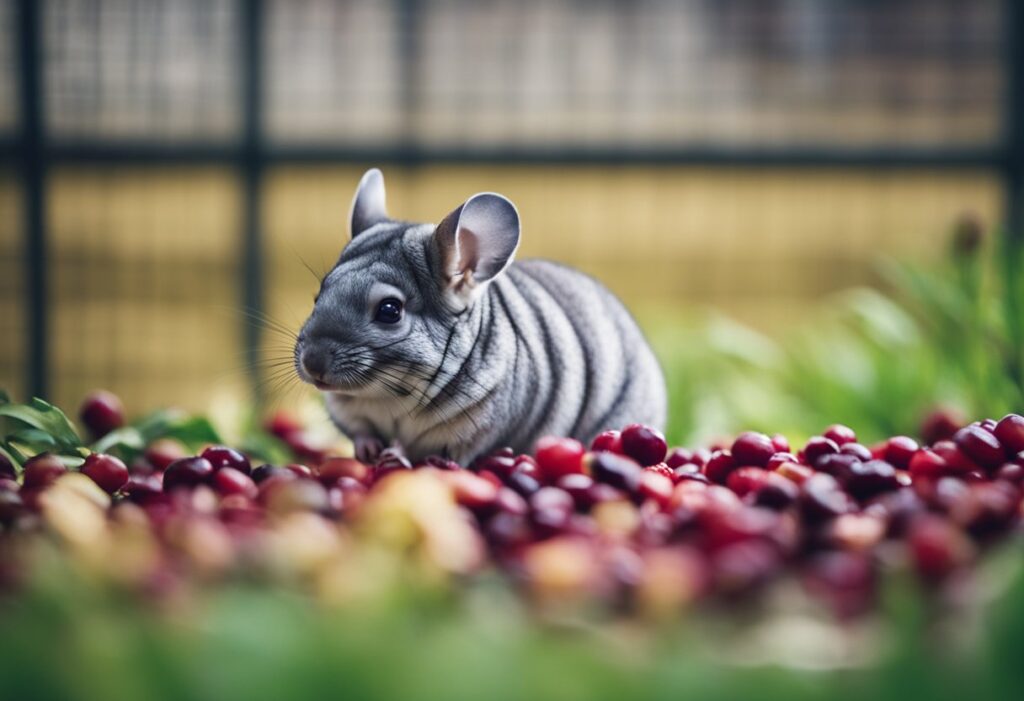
{"x":389,"y":311}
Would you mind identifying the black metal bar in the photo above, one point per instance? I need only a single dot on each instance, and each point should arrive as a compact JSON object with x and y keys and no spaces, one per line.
{"x":783,"y":157}
{"x":250,"y":163}
{"x":1013,"y":121}
{"x":33,"y":183}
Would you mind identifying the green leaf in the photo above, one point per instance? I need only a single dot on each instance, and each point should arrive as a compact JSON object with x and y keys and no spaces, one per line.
{"x":44,"y":416}
{"x":266,"y":447}
{"x":127,"y":437}
{"x":10,"y":456}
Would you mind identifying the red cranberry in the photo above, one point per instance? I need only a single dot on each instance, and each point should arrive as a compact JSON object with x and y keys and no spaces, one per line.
{"x":989,"y":507}
{"x":187,"y":472}
{"x":102,"y":412}
{"x":937,"y":547}
{"x":956,"y":460}
{"x":107,"y":471}
{"x":1010,"y":432}
{"x":161,"y":453}
{"x":609,"y":440}
{"x":523,"y":483}
{"x":988,"y":424}
{"x":1011,"y":472}
{"x":8,"y":485}
{"x":856,"y":450}
{"x":795,"y":472}
{"x":839,"y":465}
{"x":899,"y":450}
{"x":144,"y":485}
{"x":840,"y":434}
{"x":441,"y":463}
{"x":616,"y":470}
{"x":265,"y":472}
{"x":42,"y":470}
{"x":822,"y":498}
{"x":778,"y":458}
{"x":980,"y":446}
{"x":301,"y":471}
{"x":678,"y":457}
{"x":868,"y":479}
{"x":501,"y":465}
{"x":940,"y":425}
{"x":578,"y":486}
{"x":228,"y":480}
{"x":745,"y":480}
{"x":644,"y":444}
{"x":558,"y":456}
{"x":508,"y":530}
{"x":511,"y":502}
{"x":927,"y":463}
{"x":654,"y":485}
{"x":719,"y":465}
{"x":744,"y":565}
{"x":817,"y":448}
{"x":700,"y":456}
{"x":777,"y":492}
{"x":780,"y":443}
{"x":282,"y":424}
{"x":844,"y":581}
{"x":473,"y":491}
{"x":7,"y":470}
{"x":222,"y":456}
{"x":898,"y":508}
{"x":551,"y":508}
{"x":334,"y":468}
{"x":752,"y":449}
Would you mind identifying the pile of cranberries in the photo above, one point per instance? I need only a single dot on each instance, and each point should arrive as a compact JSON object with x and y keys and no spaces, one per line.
{"x":624,"y":521}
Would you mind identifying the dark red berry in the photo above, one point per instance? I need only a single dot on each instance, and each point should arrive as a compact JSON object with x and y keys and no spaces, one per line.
{"x":745,"y":480}
{"x":980,"y":446}
{"x":779,"y":458}
{"x":940,"y":425}
{"x":1010,"y":432}
{"x":102,"y":412}
{"x":678,"y":457}
{"x":265,"y":472}
{"x":928,"y":463}
{"x":163,"y":452}
{"x":42,"y":470}
{"x":899,"y":450}
{"x":1011,"y":472}
{"x":719,"y":465}
{"x":938,"y":548}
{"x":644,"y":444}
{"x":523,"y":483}
{"x":856,"y":450}
{"x":752,"y":448}
{"x":840,"y":434}
{"x":107,"y":471}
{"x":222,"y":456}
{"x":228,"y":480}
{"x":822,"y":498}
{"x":609,"y":440}
{"x":956,"y":460}
{"x":839,"y":465}
{"x":616,"y":470}
{"x":558,"y":456}
{"x":817,"y":448}
{"x":868,"y":479}
{"x":781,"y":443}
{"x":283,"y":425}
{"x":187,"y":472}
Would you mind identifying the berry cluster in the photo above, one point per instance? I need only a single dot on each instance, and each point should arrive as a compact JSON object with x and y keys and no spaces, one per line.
{"x":625,"y":521}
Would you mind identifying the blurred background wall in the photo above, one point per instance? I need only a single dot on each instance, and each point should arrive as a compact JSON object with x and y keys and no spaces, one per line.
{"x":167,"y":165}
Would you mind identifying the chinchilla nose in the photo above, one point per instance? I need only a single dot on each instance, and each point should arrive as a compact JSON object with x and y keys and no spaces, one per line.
{"x":314,"y":362}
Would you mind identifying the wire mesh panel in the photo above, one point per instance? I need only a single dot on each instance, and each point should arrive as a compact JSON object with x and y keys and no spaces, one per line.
{"x":334,"y":71}
{"x":8,"y":68}
{"x":145,"y":285}
{"x":12,"y":310}
{"x":129,"y":69}
{"x":740,"y":72}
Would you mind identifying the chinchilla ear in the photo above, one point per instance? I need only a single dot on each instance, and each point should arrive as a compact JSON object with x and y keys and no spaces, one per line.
{"x":368,"y":205}
{"x":477,"y":241}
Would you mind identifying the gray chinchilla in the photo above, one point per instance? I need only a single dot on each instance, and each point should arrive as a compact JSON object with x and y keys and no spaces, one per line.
{"x":432,"y":338}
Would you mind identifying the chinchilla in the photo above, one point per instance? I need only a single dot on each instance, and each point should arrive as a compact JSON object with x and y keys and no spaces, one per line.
{"x":431,"y":338}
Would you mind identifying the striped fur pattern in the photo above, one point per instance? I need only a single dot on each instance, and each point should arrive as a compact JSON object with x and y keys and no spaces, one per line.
{"x":487,"y":352}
